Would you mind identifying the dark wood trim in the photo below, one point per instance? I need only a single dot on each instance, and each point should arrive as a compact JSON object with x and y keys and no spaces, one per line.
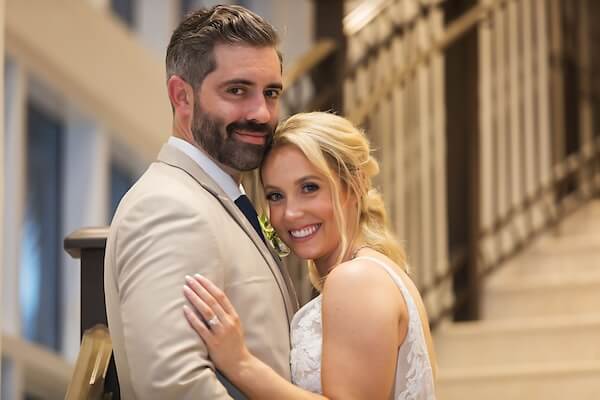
{"x":329,"y":24}
{"x":88,"y":245}
{"x":85,"y":238}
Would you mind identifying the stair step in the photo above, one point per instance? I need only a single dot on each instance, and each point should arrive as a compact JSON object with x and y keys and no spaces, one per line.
{"x":575,"y":380}
{"x":552,"y":265}
{"x":584,"y":221}
{"x":539,"y":337}
{"x":545,"y":297}
{"x":519,"y":342}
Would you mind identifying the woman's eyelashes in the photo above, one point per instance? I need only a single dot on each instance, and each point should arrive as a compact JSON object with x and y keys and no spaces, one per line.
{"x":274,"y":196}
{"x":309,"y":187}
{"x":306,"y":188}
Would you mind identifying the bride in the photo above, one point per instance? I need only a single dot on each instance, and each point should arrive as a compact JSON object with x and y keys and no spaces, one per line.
{"x":366,"y":336}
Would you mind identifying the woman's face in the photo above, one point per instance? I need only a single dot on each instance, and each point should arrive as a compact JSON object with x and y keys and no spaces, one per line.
{"x":300,"y":205}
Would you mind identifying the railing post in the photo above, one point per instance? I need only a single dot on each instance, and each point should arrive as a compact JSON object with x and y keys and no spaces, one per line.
{"x":329,"y":24}
{"x":463,"y":167}
{"x":88,"y":245}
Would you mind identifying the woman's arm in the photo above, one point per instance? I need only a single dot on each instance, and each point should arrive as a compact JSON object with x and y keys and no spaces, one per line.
{"x":360,"y":338}
{"x":364,"y":322}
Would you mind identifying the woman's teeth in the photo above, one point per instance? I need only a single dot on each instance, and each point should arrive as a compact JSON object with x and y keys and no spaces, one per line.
{"x":304,"y":232}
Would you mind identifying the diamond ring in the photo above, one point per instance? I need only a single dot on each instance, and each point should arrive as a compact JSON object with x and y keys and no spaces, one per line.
{"x":212,"y":322}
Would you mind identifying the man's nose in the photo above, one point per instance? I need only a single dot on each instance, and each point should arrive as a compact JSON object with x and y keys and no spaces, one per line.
{"x":259,"y":111}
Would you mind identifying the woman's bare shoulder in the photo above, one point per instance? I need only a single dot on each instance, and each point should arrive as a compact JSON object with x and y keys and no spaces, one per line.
{"x":359,"y":281}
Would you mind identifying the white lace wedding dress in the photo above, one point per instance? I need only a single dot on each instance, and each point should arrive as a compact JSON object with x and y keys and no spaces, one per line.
{"x":414,"y":377}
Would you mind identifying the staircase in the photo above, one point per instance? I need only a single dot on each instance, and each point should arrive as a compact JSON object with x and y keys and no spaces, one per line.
{"x":539,"y":337}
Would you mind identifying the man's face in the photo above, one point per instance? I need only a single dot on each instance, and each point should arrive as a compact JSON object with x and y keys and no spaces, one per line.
{"x":236,"y":107}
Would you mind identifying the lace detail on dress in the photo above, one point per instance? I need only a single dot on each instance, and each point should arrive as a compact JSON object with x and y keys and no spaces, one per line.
{"x":418,"y":377}
{"x":414,"y":376}
{"x":306,"y":340}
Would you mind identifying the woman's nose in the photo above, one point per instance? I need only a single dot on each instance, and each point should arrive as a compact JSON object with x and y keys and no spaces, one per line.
{"x":293,"y":210}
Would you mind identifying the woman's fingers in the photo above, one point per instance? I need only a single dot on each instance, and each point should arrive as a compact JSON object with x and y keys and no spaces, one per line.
{"x":200,"y":293}
{"x":216,"y":293}
{"x":211,"y":319}
{"x":221,"y":329}
{"x":200,"y":306}
{"x":196,"y":324}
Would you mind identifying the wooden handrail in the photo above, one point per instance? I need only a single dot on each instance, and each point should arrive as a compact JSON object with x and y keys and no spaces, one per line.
{"x":85,"y":238}
{"x":91,"y":366}
{"x":363,"y":15}
{"x":455,"y":30}
{"x":319,"y":52}
{"x":47,"y":373}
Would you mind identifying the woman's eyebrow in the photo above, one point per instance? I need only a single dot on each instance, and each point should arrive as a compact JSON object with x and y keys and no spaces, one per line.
{"x":297,"y":181}
{"x":307,"y":178}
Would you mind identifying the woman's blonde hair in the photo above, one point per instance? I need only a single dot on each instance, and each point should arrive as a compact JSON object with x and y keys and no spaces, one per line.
{"x":341,"y":153}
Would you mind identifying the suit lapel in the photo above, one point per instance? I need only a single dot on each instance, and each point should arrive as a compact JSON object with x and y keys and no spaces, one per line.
{"x":175,"y":158}
{"x":286,"y":277}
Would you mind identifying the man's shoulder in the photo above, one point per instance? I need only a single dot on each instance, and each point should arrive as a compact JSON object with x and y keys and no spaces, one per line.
{"x":164,"y":191}
{"x":166,"y":182}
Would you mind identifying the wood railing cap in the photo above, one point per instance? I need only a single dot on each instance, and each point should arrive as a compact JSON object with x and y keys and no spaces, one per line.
{"x":85,"y":238}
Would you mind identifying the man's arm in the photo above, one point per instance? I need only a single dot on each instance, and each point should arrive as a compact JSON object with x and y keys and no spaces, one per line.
{"x":158,"y":243}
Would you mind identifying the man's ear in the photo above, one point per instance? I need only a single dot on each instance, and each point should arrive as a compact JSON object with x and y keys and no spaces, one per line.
{"x":181,"y":95}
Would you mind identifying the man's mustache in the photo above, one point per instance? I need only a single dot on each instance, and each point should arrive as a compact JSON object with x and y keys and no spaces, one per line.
{"x":250,"y":127}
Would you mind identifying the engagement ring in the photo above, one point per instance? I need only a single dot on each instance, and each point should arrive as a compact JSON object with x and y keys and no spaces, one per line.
{"x":212,"y":322}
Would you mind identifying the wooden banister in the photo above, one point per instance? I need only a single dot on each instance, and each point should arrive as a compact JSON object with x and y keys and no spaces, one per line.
{"x":88,"y":245}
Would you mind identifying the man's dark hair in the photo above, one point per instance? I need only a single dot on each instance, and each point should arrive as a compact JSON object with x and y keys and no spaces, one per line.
{"x":190,"y":53}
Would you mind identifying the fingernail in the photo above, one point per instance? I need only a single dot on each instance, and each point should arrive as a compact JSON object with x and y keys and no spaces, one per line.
{"x":198,"y":276}
{"x":188,"y":278}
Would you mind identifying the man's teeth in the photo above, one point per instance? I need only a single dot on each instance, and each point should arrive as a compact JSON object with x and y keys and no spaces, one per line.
{"x":304,"y":232}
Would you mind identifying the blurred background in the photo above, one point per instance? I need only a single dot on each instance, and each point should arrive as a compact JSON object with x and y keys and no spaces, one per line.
{"x":485,"y":116}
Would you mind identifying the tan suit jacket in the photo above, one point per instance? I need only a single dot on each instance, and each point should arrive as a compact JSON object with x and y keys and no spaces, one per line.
{"x":176,"y":221}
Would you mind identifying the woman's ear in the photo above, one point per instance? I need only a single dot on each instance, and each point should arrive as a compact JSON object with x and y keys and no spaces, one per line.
{"x":181,"y":95}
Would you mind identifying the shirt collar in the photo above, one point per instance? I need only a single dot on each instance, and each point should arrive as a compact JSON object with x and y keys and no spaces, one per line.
{"x":222,"y":178}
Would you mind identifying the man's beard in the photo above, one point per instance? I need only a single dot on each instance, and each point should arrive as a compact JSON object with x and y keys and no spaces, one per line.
{"x":219,"y":142}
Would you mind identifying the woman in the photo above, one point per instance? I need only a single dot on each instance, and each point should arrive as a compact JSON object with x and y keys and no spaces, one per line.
{"x":366,"y":336}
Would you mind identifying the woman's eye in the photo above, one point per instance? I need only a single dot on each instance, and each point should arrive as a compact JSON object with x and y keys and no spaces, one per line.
{"x":310,"y":187}
{"x":274,"y":196}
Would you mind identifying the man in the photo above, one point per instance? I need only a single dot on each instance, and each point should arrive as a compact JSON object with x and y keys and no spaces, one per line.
{"x":188,"y":215}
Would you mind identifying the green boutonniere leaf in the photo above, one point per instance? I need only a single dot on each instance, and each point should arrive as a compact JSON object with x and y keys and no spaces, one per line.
{"x":272,"y":236}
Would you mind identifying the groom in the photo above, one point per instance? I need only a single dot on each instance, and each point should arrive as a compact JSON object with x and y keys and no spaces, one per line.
{"x":188,"y":215}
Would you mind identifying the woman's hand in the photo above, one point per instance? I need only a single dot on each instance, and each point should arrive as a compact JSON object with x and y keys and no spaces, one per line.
{"x":222,"y":332}
{"x":221,"y":329}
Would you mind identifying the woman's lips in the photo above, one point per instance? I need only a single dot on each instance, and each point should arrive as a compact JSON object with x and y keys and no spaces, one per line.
{"x":305,"y":232}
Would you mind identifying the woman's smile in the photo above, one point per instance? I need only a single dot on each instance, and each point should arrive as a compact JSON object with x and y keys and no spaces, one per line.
{"x":305,"y":233}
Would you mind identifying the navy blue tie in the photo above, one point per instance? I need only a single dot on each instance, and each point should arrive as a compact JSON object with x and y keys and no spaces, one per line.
{"x":247,"y":208}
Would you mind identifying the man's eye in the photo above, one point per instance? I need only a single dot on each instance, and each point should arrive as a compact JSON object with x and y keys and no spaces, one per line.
{"x":274,"y":196}
{"x":310,"y":187}
{"x":236,"y":91}
{"x":273,"y":93}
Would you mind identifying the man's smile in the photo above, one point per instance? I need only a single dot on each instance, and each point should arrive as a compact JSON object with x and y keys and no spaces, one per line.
{"x":252,"y":137}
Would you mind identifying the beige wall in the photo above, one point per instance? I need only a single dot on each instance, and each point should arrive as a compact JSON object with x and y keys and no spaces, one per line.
{"x":85,"y":55}
{"x":1,"y":158}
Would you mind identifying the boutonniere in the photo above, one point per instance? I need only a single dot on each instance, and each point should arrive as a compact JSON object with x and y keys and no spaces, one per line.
{"x":272,"y":237}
